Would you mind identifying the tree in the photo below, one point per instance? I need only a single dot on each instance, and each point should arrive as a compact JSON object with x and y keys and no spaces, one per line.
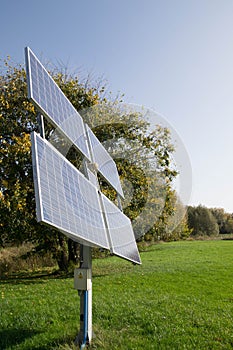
{"x":224,"y":220}
{"x":144,"y":162}
{"x":17,"y":202}
{"x":18,"y":119}
{"x":202,"y":222}
{"x":177,"y":227}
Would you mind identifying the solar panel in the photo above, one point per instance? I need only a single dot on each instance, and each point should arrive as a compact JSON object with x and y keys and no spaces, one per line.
{"x":105,"y":163}
{"x":121,"y":236}
{"x":65,"y":199}
{"x":51,"y":101}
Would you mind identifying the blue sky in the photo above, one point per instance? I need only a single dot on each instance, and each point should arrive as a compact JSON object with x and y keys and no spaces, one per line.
{"x":174,"y":56}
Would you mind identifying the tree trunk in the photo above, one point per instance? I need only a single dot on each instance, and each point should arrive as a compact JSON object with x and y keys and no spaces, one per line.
{"x":73,"y":251}
{"x":62,"y":254}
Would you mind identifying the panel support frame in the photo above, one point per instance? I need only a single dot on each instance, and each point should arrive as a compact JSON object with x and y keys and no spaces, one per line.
{"x":40,"y":121}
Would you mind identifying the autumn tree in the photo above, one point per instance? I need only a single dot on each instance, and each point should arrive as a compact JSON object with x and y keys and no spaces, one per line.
{"x":17,"y":201}
{"x":202,"y":222}
{"x":224,"y":220}
{"x":143,"y":158}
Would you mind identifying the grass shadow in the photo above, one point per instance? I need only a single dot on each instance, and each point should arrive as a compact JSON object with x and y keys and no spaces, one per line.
{"x":13,"y":337}
{"x":37,"y":277}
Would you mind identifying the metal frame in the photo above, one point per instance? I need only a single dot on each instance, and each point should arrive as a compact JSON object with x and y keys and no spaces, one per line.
{"x":36,"y":178}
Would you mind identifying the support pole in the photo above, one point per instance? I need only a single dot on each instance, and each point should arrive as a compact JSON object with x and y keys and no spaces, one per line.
{"x":85,"y":318}
{"x":119,"y":202}
{"x":85,"y":333}
{"x":87,"y":263}
{"x":40,"y":121}
{"x":83,"y":282}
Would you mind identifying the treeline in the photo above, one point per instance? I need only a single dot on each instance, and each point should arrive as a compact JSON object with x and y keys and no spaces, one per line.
{"x":203,"y":221}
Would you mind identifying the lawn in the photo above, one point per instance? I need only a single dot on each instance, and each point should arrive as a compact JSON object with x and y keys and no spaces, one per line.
{"x":181,"y":297}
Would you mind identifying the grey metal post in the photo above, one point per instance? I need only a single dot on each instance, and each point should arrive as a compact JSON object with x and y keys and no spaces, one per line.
{"x":119,"y":202}
{"x":40,"y":121}
{"x":85,"y":333}
{"x":86,"y":259}
{"x":86,"y":263}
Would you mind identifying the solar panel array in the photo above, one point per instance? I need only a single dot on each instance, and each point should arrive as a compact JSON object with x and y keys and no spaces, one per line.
{"x":69,"y":202}
{"x":65,"y":198}
{"x":105,"y":164}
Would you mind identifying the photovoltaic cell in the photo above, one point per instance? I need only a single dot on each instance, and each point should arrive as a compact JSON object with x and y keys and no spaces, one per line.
{"x":105,"y":163}
{"x":65,"y":199}
{"x":121,"y":236}
{"x":51,"y":101}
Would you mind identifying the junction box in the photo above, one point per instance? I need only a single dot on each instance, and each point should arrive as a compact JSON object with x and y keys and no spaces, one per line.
{"x":82,"y":279}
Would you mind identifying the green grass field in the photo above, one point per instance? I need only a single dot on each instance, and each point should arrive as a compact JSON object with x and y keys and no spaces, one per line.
{"x":180,"y":298}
